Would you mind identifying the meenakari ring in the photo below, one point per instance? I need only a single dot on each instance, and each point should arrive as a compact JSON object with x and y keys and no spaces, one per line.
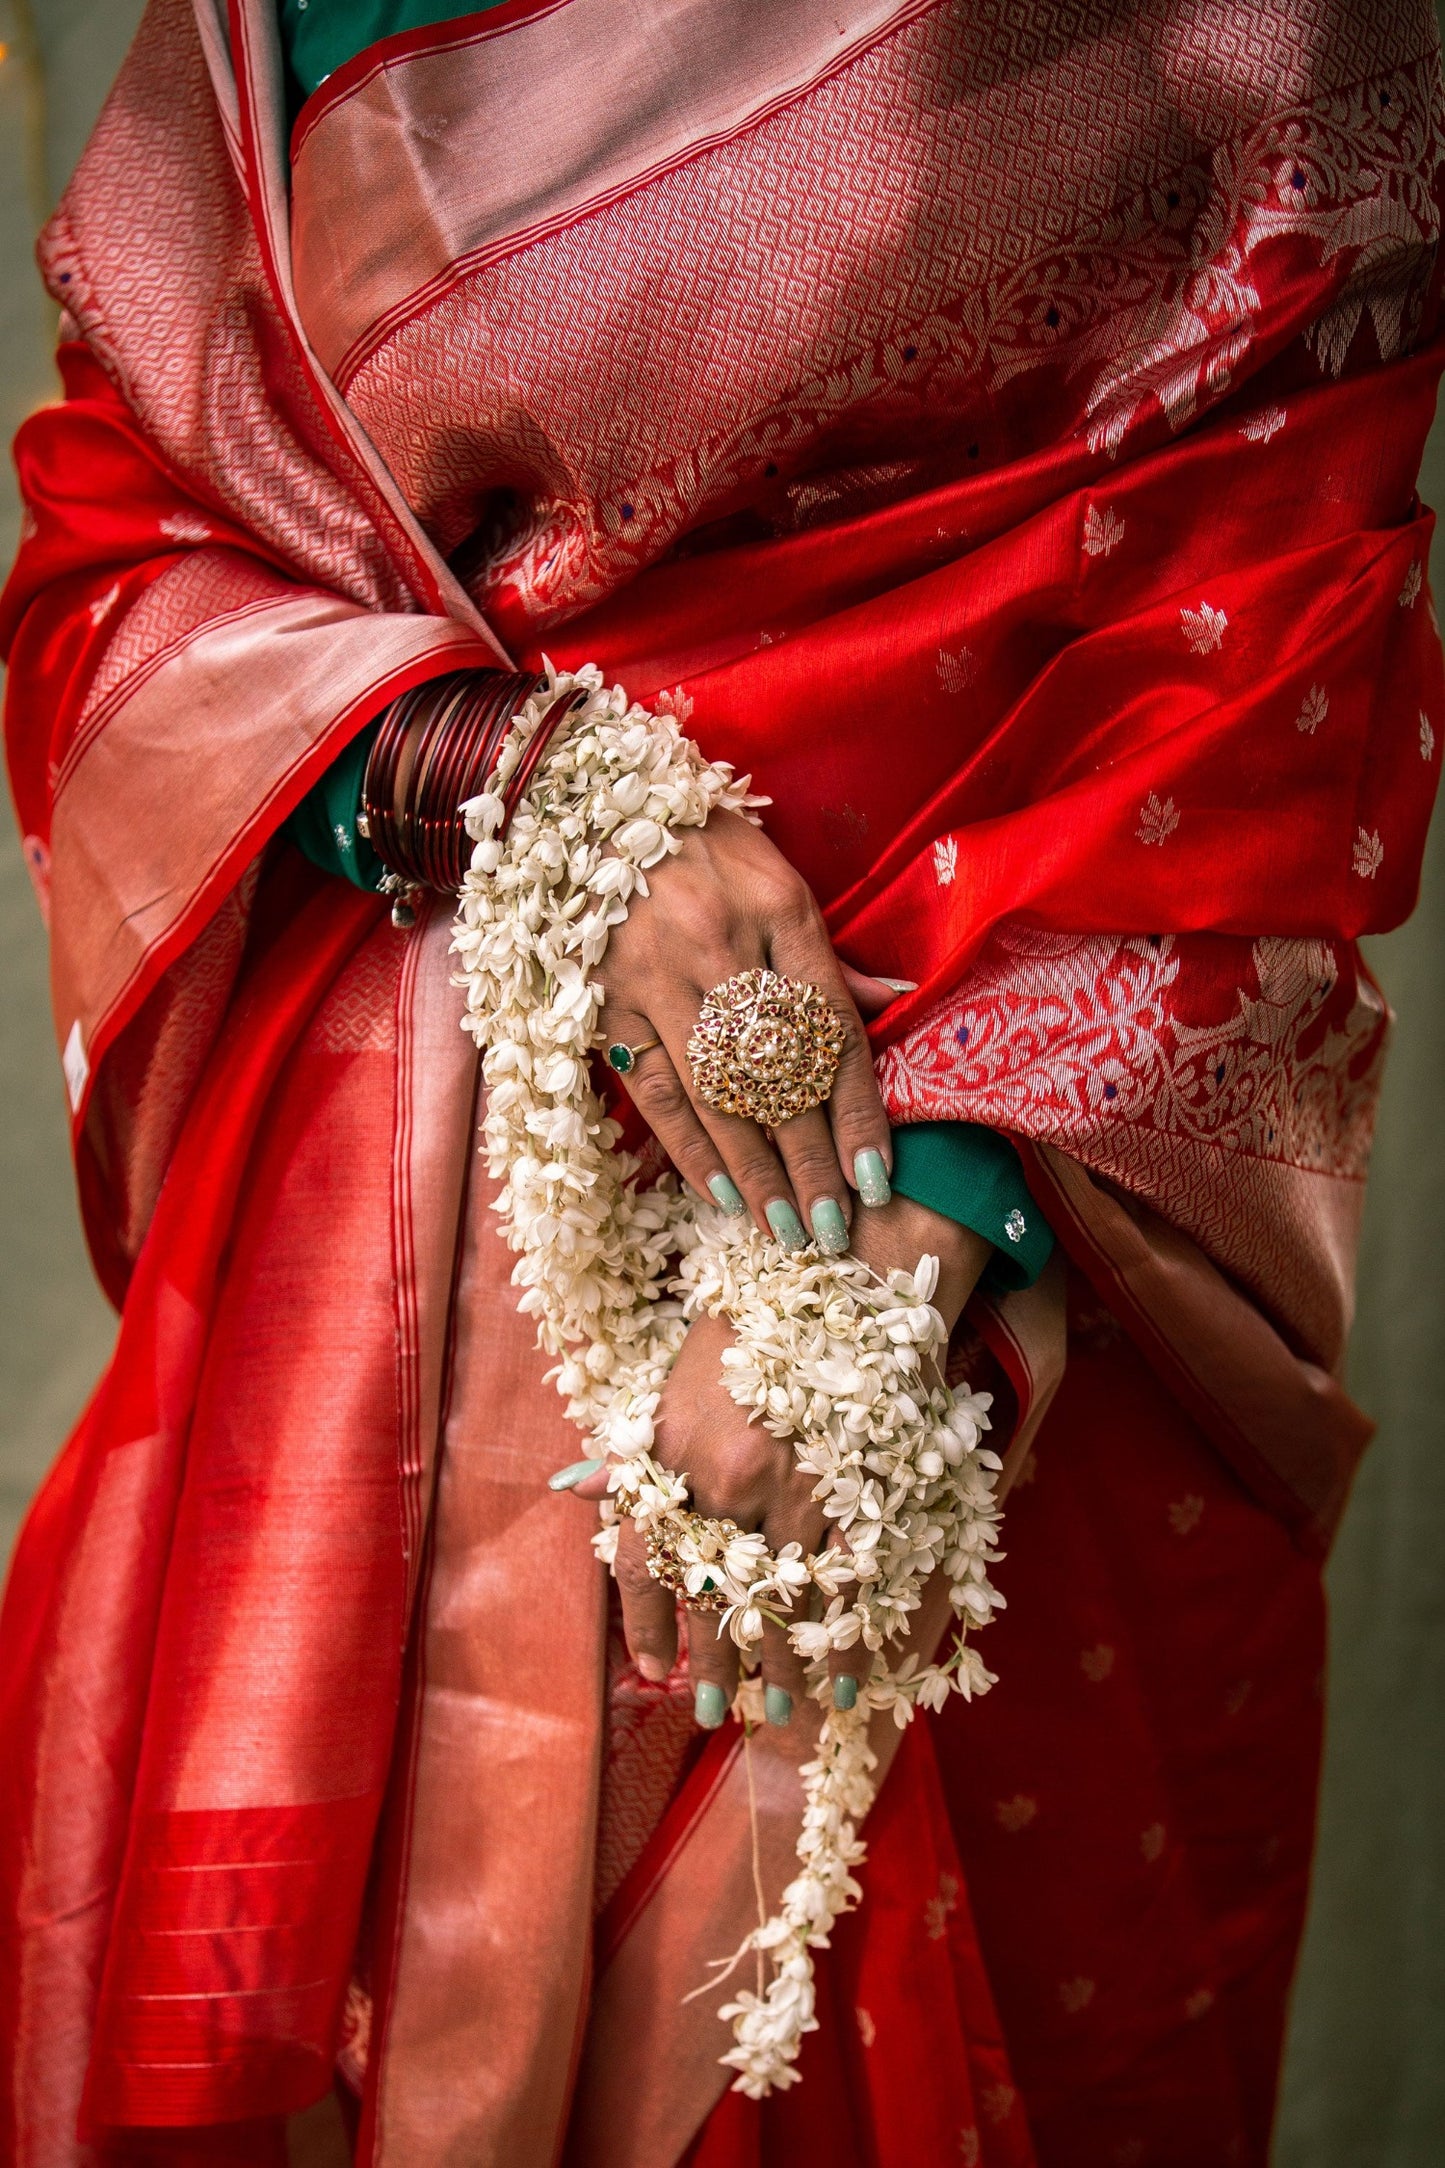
{"x":765,"y":1047}
{"x":681,"y":1547}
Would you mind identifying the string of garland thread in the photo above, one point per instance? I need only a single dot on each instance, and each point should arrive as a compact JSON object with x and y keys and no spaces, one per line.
{"x":843,"y":1365}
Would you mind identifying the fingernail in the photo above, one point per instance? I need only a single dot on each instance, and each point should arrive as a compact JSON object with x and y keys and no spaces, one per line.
{"x":901,"y":986}
{"x":579,"y":1471}
{"x":652,"y":1667}
{"x":726,"y":1195}
{"x":786,"y":1224}
{"x":709,"y":1705}
{"x":845,"y":1691}
{"x":777,"y":1704}
{"x":871,"y":1176}
{"x":830,"y":1229}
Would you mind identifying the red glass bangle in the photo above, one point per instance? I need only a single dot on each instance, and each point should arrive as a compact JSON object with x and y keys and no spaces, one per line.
{"x":435,"y":749}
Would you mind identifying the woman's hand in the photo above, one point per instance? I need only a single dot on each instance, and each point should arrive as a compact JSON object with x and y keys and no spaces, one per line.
{"x":738,"y":1469}
{"x":728,"y":901}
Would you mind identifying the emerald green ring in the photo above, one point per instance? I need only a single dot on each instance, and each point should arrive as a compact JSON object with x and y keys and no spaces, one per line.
{"x":623,"y":1058}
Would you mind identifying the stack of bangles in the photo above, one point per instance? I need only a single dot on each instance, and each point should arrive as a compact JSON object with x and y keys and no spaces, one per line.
{"x":435,"y":749}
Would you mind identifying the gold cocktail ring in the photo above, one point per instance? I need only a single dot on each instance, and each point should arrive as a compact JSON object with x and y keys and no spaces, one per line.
{"x":685,"y":1552}
{"x":766,"y":1047}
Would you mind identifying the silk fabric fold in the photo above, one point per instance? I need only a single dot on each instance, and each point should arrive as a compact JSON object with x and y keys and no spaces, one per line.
{"x":1002,"y":439}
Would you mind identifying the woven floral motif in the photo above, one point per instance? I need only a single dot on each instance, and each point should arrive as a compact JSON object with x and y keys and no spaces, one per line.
{"x":1121,"y":290}
{"x":1052,"y":1034}
{"x":1191,"y":1069}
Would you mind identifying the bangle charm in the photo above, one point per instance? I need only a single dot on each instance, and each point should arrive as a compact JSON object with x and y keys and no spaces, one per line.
{"x":765,"y":1047}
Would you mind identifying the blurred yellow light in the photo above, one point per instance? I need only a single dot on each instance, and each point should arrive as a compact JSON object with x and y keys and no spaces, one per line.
{"x":4,"y":54}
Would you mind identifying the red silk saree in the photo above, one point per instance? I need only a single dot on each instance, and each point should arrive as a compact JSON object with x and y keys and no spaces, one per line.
{"x":1000,"y":426}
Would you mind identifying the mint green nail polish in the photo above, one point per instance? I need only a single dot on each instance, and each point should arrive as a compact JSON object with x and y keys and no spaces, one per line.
{"x":786,"y":1224}
{"x":871,"y":1176}
{"x":777,"y":1704}
{"x":579,"y":1471}
{"x":709,"y":1705}
{"x":845,"y":1691}
{"x":830,"y":1229}
{"x":726,"y":1195}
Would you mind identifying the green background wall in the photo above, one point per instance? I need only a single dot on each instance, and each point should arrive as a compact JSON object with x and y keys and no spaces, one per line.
{"x":1365,"y":2085}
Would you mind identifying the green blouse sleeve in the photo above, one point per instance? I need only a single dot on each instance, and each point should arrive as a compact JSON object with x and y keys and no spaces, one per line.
{"x":972,"y":1175}
{"x":318,"y":35}
{"x":324,"y":824}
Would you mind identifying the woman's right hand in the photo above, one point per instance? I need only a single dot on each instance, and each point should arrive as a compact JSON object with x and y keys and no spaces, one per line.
{"x":728,"y":901}
{"x":738,"y":1470}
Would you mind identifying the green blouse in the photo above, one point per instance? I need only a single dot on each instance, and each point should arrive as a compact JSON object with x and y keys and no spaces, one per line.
{"x":317,"y":36}
{"x":968,"y":1173}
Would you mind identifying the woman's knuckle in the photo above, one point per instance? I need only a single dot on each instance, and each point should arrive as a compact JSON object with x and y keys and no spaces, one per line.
{"x":855,"y":1055}
{"x":736,"y":1492}
{"x":781,"y":894}
{"x":714,"y":957}
{"x":856,"y":1100}
{"x":855,"y":1088}
{"x":749,"y":1466}
{"x":633,"y":1577}
{"x":658,"y":1094}
{"x":815,"y":1174}
{"x":756,"y":1170}
{"x":698,"y":1165}
{"x":859,"y":1115}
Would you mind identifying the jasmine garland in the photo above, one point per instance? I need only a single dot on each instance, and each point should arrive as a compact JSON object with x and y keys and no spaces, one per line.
{"x":826,"y":1354}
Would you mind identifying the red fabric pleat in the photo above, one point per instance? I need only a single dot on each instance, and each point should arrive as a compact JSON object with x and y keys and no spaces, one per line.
{"x":101,"y":502}
{"x":152,"y":1659}
{"x":909,"y":2043}
{"x":1114,"y":1844}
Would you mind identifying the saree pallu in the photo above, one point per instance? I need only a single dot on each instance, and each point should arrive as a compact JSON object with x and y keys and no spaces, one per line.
{"x":996,"y":428}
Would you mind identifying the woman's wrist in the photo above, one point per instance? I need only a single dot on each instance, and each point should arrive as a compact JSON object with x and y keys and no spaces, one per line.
{"x":895,"y":1235}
